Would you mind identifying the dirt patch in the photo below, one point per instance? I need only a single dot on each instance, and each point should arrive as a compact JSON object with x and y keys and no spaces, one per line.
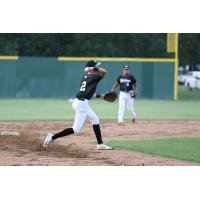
{"x":26,"y":149}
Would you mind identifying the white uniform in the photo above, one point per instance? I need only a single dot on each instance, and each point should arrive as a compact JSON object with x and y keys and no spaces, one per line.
{"x":125,"y":97}
{"x":81,"y":102}
{"x":83,"y":112}
{"x":82,"y":109}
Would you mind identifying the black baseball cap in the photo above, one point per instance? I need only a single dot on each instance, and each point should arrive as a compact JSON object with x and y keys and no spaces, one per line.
{"x":126,"y":67}
{"x":92,"y":63}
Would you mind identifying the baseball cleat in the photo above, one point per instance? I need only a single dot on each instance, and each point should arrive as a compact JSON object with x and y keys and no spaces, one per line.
{"x":48,"y":140}
{"x":121,"y":123}
{"x":103,"y":147}
{"x":133,"y":120}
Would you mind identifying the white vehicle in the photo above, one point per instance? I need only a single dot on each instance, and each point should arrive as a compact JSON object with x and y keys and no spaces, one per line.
{"x":193,"y":82}
{"x":182,"y":78}
{"x":195,"y":73}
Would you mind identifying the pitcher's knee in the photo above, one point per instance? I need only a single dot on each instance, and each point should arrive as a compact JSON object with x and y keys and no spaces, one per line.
{"x":77,"y":130}
{"x":95,"y":120}
{"x":130,"y":110}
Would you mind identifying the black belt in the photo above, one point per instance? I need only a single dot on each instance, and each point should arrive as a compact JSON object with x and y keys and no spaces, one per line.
{"x":81,"y":99}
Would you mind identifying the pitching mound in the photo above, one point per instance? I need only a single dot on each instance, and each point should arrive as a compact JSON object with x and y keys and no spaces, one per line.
{"x":26,"y":148}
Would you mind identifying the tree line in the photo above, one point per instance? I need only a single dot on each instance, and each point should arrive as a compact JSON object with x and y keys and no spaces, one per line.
{"x":100,"y":44}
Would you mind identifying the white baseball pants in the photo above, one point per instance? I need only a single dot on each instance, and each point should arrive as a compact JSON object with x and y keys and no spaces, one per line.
{"x":125,"y":99}
{"x":83,"y":112}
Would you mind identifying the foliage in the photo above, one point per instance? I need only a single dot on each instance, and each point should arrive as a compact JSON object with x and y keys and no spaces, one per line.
{"x":99,"y":44}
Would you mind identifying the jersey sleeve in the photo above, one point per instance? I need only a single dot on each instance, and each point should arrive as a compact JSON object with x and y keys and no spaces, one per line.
{"x":118,"y":80}
{"x":133,"y":80}
{"x":98,"y":77}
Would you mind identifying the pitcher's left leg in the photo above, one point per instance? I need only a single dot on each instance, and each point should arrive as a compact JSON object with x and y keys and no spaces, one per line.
{"x":94,"y":119}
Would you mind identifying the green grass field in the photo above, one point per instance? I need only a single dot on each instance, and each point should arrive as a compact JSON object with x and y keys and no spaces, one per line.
{"x":187,"y":149}
{"x":187,"y":108}
{"x":185,"y":94}
{"x":51,"y":109}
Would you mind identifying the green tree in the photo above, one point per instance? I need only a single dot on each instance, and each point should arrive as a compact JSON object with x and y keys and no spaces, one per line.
{"x":100,"y":44}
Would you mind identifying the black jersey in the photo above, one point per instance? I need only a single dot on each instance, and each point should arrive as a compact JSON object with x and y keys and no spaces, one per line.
{"x":88,"y":86}
{"x":126,"y":82}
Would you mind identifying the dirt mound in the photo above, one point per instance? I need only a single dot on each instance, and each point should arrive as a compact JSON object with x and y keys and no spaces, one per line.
{"x":25,"y":144}
{"x":26,"y":149}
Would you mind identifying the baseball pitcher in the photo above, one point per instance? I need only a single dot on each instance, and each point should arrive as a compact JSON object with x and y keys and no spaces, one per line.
{"x":88,"y":85}
{"x":128,"y":91}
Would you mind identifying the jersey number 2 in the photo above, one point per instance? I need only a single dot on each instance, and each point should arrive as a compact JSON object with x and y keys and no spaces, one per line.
{"x":83,"y":86}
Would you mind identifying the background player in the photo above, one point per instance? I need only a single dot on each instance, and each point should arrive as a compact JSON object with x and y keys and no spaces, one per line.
{"x":128,"y":91}
{"x":81,"y":106}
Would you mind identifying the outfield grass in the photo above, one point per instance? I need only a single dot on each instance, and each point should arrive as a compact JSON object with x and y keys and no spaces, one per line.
{"x":185,"y":94}
{"x":186,"y":108}
{"x":187,"y":149}
{"x":51,"y":109}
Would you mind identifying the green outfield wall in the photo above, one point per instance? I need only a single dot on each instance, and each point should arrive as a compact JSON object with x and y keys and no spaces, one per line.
{"x":38,"y":77}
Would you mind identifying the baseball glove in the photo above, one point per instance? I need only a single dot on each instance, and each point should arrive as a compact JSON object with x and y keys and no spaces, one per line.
{"x":110,"y":96}
{"x":133,"y":94}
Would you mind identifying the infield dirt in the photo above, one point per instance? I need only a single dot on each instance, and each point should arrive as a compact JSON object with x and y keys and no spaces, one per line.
{"x":74,"y":150}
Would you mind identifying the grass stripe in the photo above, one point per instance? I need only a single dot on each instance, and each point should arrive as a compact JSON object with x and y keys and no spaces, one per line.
{"x":186,"y":149}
